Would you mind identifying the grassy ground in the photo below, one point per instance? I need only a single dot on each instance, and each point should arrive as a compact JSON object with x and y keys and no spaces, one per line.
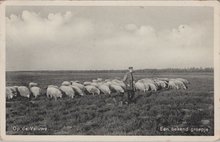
{"x":159,"y":113}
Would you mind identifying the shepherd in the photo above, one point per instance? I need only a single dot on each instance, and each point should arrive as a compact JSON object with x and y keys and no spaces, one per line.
{"x":129,"y":82}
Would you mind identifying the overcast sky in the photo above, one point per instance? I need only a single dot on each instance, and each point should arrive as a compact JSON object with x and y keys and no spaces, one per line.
{"x":73,"y":38}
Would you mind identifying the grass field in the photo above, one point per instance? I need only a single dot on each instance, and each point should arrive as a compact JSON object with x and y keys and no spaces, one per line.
{"x":166,"y":112}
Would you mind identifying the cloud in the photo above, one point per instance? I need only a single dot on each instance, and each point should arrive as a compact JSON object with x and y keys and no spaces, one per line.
{"x":144,"y":47}
{"x":131,"y":27}
{"x":56,"y":26}
{"x":66,"y":41}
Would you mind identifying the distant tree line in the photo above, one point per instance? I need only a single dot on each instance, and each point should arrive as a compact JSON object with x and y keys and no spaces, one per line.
{"x":193,"y":69}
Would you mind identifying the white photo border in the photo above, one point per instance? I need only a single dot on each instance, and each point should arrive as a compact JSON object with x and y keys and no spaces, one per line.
{"x":214,"y":4}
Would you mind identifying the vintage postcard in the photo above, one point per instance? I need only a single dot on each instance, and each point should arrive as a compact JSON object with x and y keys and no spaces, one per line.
{"x":110,"y":70}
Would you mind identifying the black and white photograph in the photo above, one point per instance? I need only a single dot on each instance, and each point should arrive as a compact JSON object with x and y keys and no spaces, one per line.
{"x":110,"y":70}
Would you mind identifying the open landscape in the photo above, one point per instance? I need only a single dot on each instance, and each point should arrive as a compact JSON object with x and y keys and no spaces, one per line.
{"x":69,"y":69}
{"x":164,"y":112}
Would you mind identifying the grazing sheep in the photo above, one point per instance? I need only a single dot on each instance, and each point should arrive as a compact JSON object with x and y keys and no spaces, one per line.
{"x":92,"y":89}
{"x":53,"y":92}
{"x":68,"y":90}
{"x":35,"y":91}
{"x":9,"y":93}
{"x":87,"y":83}
{"x":73,"y":83}
{"x":66,"y":83}
{"x":157,"y":84}
{"x":107,"y":80}
{"x":183,"y":80}
{"x":14,"y":90}
{"x":139,"y":86}
{"x":153,"y":87}
{"x":99,"y":79}
{"x":53,"y":86}
{"x":164,"y":84}
{"x":163,"y":79}
{"x":31,"y":84}
{"x":180,"y":84}
{"x":104,"y":89}
{"x":77,"y":81}
{"x":94,"y":84}
{"x":172,"y":85}
{"x":117,"y":88}
{"x":108,"y":83}
{"x":149,"y":84}
{"x":94,"y":80}
{"x":118,"y":82}
{"x":148,"y":80}
{"x":183,"y":85}
{"x":23,"y":91}
{"x":160,"y":84}
{"x":77,"y":90}
{"x":146,"y":84}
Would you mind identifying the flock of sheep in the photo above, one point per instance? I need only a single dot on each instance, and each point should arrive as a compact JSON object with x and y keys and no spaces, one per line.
{"x":95,"y":87}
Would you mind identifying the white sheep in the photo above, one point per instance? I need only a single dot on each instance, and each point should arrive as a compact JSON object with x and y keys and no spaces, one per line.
{"x":77,"y":81}
{"x":14,"y":90}
{"x":92,"y":89}
{"x":99,"y":79}
{"x":105,"y":89}
{"x":94,"y":80}
{"x":163,"y":79}
{"x":119,"y":82}
{"x":107,"y":80}
{"x":153,"y":87}
{"x":66,"y":83}
{"x":139,"y":86}
{"x":87,"y":83}
{"x":108,"y":83}
{"x":53,"y":92}
{"x":31,"y":84}
{"x":35,"y":91}
{"x":183,"y":80}
{"x":53,"y":86}
{"x":160,"y":84}
{"x":95,"y":84}
{"x":148,"y":80}
{"x":146,"y":85}
{"x":9,"y":93}
{"x":180,"y":84}
{"x":77,"y":90}
{"x":68,"y":90}
{"x":23,"y":91}
{"x":117,"y":88}
{"x":172,"y":85}
{"x":149,"y":84}
{"x":78,"y":85}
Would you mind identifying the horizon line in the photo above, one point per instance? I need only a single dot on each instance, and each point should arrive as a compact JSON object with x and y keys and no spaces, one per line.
{"x":187,"y":68}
